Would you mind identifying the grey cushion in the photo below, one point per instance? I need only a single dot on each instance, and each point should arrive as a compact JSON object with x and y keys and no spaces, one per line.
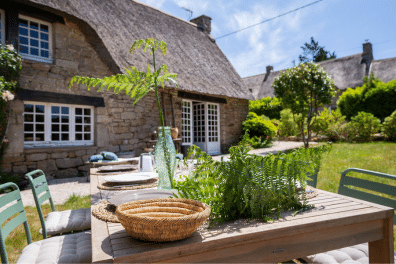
{"x":73,"y":248}
{"x":68,"y":221}
{"x":348,"y":255}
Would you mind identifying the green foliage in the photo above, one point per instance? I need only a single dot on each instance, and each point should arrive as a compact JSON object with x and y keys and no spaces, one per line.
{"x":381,"y":100}
{"x":329,"y":124}
{"x":389,"y":127}
{"x":267,"y":106}
{"x":287,"y":125}
{"x":250,"y":186}
{"x":365,"y":124}
{"x":313,"y":52}
{"x":258,"y":126}
{"x":6,"y":177}
{"x":351,"y":102}
{"x":304,"y":89}
{"x":256,"y":142}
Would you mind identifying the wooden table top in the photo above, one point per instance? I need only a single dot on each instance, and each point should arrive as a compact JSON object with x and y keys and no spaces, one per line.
{"x":336,"y":221}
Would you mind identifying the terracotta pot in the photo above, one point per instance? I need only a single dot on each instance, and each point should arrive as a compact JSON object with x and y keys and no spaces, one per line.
{"x":174,"y":132}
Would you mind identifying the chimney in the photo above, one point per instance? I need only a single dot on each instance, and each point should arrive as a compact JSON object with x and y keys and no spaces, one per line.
{"x":367,"y":56}
{"x":203,"y":23}
{"x":269,"y":69}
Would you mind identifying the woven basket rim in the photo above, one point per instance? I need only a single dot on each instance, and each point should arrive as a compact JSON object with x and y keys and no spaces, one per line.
{"x":204,"y":206}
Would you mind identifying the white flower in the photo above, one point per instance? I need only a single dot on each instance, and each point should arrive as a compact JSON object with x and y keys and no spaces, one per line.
{"x":10,"y":47}
{"x":8,"y":96}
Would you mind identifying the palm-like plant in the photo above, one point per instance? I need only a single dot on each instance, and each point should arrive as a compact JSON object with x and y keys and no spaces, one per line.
{"x":136,"y":84}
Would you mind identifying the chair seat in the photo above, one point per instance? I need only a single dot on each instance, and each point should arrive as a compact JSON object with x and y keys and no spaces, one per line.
{"x":73,"y":248}
{"x":67,"y":221}
{"x":348,"y":255}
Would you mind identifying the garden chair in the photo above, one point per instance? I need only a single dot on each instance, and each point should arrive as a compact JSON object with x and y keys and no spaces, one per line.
{"x":74,"y":248}
{"x":358,"y":253}
{"x":57,"y":222}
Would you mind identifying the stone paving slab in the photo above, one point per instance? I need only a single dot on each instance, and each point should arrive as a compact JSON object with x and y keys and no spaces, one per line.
{"x":62,"y":189}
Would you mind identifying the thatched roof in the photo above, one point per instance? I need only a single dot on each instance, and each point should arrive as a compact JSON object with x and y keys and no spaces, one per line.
{"x":111,"y":26}
{"x":384,"y":69}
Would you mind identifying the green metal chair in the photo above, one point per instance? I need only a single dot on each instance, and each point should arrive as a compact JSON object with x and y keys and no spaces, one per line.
{"x":13,"y":195}
{"x":348,"y":184}
{"x":57,"y":222}
{"x":74,"y":248}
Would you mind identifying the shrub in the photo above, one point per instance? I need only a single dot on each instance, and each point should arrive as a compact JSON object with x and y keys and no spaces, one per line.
{"x":381,"y":100}
{"x":329,"y":124}
{"x":366,"y":124}
{"x":389,"y":127}
{"x":351,"y":102}
{"x":287,"y":125}
{"x":257,"y":126}
{"x":267,"y":106}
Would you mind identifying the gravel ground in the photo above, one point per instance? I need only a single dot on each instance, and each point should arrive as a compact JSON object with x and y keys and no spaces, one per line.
{"x":62,"y":189}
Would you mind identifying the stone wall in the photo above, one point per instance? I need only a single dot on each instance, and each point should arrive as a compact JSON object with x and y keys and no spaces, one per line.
{"x":119,"y":126}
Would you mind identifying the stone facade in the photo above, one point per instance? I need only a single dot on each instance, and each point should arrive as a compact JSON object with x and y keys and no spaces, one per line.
{"x":119,"y":126}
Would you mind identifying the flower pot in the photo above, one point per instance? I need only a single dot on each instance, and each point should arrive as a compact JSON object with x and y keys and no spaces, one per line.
{"x":174,"y":132}
{"x":165,"y":158}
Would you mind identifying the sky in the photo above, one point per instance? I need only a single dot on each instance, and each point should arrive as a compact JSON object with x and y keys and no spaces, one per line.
{"x":341,"y":26}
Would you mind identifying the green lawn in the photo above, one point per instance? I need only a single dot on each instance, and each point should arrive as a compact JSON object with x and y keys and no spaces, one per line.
{"x":16,"y":241}
{"x":375,"y":156}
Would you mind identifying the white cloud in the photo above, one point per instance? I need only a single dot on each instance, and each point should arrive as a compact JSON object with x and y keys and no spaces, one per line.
{"x":154,"y":3}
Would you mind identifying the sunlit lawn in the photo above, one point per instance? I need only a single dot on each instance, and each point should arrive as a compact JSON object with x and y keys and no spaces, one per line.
{"x":16,"y":241}
{"x":375,"y":156}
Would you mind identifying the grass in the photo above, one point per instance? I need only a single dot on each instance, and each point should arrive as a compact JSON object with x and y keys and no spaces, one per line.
{"x":16,"y":241}
{"x":375,"y":156}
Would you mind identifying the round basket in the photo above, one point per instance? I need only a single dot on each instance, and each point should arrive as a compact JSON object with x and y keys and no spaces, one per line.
{"x":160,"y":220}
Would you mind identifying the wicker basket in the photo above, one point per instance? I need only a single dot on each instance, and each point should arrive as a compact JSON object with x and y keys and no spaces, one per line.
{"x":161,"y":220}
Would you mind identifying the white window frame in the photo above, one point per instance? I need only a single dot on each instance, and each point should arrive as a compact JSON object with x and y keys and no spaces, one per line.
{"x":191,"y":138}
{"x":33,"y":57}
{"x":48,"y":127}
{"x":2,"y":27}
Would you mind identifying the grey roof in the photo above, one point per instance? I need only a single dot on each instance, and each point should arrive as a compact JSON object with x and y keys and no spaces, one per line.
{"x":111,"y":26}
{"x":253,"y":83}
{"x":384,"y":69}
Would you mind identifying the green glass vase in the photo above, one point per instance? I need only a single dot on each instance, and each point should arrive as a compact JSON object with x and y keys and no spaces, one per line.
{"x":165,"y":158}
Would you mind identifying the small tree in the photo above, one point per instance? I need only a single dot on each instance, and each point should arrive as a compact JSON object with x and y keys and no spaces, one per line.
{"x":313,"y":52}
{"x":304,"y":89}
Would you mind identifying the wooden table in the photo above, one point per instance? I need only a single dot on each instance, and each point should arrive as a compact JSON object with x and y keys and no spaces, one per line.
{"x":337,"y":221}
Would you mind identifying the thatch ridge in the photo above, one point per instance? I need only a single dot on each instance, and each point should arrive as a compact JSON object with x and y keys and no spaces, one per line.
{"x":193,"y":54}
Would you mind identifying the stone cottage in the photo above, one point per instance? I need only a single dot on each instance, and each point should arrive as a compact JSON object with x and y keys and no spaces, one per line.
{"x":347,"y":72}
{"x":56,"y":129}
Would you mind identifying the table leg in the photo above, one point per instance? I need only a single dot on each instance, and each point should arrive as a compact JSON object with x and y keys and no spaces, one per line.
{"x":381,"y":251}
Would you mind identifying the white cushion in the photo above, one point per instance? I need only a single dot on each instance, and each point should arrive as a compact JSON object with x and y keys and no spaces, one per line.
{"x":67,"y":221}
{"x":73,"y":248}
{"x":348,"y":255}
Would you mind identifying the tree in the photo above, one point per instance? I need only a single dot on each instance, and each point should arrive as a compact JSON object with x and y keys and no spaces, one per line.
{"x":313,"y":52}
{"x":304,"y":89}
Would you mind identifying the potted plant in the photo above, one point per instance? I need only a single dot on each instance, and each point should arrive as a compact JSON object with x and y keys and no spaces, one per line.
{"x":137,"y":84}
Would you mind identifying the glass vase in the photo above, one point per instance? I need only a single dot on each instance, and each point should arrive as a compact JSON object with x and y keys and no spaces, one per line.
{"x":165,"y":158}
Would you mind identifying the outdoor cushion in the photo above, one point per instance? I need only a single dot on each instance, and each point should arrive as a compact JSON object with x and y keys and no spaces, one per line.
{"x":66,"y":221}
{"x":109,"y":155}
{"x":74,"y":248}
{"x":95,"y":158}
{"x":353,"y":254}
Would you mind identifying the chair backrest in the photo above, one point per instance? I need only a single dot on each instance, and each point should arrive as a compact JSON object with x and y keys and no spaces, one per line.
{"x":41,"y":194}
{"x":347,"y":182}
{"x":313,"y":178}
{"x":16,"y":210}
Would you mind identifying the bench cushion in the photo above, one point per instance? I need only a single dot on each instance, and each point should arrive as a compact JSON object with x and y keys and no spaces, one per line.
{"x":73,"y":248}
{"x":67,"y":221}
{"x":347,"y":255}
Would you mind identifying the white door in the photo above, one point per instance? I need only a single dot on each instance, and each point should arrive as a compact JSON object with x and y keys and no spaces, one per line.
{"x":187,"y":123}
{"x":213,"y":129}
{"x":199,"y":125}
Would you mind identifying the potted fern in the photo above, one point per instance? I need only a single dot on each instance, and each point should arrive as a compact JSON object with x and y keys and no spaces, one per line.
{"x":137,"y":84}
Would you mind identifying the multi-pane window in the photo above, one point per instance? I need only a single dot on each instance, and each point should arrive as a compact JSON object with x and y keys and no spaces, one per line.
{"x":2,"y":26}
{"x":55,"y":124}
{"x":213,"y":123}
{"x":187,"y":122}
{"x":199,"y":122}
{"x":34,"y":39}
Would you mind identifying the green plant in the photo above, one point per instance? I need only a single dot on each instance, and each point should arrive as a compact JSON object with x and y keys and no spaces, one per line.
{"x":137,"y":84}
{"x":381,"y":100}
{"x":250,"y":186}
{"x":268,"y":106}
{"x":258,"y":126}
{"x":389,"y":127}
{"x":304,"y":89}
{"x":365,"y":124}
{"x":313,"y":52}
{"x":256,"y":142}
{"x":287,"y":125}
{"x":329,"y":124}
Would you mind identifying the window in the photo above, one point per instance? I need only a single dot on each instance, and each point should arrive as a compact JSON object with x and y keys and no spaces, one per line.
{"x":48,"y":125}
{"x":187,"y":122}
{"x":35,"y":39}
{"x":2,"y":26}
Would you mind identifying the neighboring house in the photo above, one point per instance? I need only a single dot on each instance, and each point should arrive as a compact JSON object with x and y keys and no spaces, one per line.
{"x":346,"y":72}
{"x":56,"y":129}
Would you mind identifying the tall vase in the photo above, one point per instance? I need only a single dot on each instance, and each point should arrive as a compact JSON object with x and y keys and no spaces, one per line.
{"x":165,"y":158}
